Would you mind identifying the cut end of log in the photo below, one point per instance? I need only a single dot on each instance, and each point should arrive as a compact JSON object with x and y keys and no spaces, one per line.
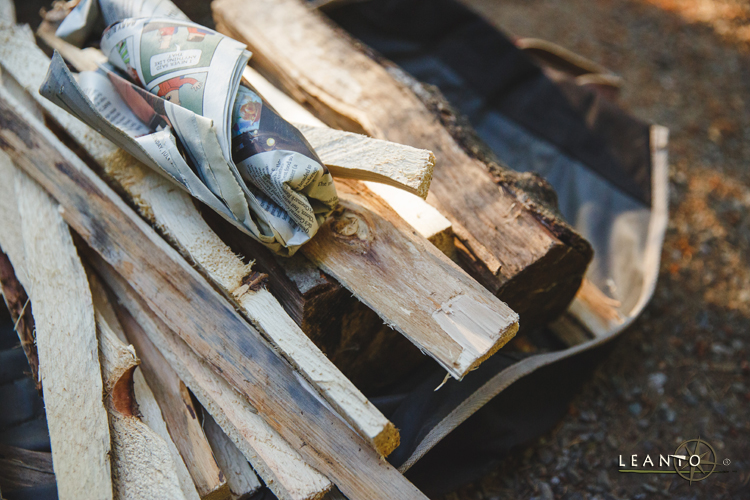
{"x":474,"y":326}
{"x":388,"y":440}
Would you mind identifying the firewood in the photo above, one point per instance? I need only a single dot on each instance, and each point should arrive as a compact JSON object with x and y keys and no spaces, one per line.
{"x":147,"y":407}
{"x":241,"y":479}
{"x":281,"y":467}
{"x":142,"y":466}
{"x":175,"y":214}
{"x":521,"y":253}
{"x":174,"y":291}
{"x":66,"y":344}
{"x":182,"y":421}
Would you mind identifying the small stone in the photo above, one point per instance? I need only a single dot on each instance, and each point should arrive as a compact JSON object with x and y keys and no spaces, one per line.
{"x":555,"y":480}
{"x":689,"y":399}
{"x":670,"y":415}
{"x":635,"y":409}
{"x":656,"y":381}
{"x":612,"y":441}
{"x":602,"y":479}
{"x":546,"y":456}
{"x":546,"y":491}
{"x":649,"y":488}
{"x":643,"y":423}
{"x":588,"y":416}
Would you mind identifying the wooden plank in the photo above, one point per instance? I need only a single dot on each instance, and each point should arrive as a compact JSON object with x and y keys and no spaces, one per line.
{"x":149,"y":413}
{"x":281,"y":467}
{"x":524,"y":254}
{"x":142,"y":466}
{"x":464,"y":323}
{"x":175,"y":214}
{"x":356,"y":156}
{"x":181,"y":418}
{"x":174,"y":290}
{"x":67,"y":347}
{"x":241,"y":479}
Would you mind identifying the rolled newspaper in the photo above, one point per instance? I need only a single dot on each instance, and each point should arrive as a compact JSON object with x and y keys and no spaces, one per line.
{"x":172,"y":96}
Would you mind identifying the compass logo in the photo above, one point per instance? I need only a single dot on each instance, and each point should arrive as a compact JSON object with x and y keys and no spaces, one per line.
{"x":694,"y":460}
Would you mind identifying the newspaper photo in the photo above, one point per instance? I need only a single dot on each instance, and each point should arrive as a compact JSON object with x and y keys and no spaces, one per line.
{"x":171,"y":96}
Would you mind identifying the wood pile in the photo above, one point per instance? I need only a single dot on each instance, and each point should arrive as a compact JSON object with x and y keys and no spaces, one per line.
{"x":224,"y":367}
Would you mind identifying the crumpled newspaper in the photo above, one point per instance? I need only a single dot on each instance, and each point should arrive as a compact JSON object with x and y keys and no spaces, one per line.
{"x":172,"y":97}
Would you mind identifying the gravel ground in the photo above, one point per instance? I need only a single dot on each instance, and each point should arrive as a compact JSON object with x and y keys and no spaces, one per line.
{"x":682,"y":370}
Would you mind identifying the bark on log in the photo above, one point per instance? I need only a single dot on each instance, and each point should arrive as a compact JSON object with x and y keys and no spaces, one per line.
{"x":515,"y":249}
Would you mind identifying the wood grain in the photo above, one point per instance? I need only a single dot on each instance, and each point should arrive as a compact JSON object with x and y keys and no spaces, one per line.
{"x":174,"y":291}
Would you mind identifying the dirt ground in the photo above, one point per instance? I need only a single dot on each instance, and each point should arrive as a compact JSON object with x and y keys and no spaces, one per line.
{"x":682,"y":371}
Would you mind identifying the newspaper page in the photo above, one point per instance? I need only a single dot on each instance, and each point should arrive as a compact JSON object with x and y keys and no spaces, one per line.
{"x":81,"y":22}
{"x":178,"y":106}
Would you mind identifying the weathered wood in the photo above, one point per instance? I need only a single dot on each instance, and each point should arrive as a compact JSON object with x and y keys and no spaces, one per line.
{"x":241,"y":479}
{"x":174,"y":291}
{"x":146,"y":463}
{"x":282,"y":468}
{"x":181,"y":418}
{"x":464,"y":323}
{"x":21,"y":468}
{"x":175,"y":214}
{"x":356,"y":156}
{"x":142,"y":466}
{"x":67,"y":346}
{"x":517,"y":251}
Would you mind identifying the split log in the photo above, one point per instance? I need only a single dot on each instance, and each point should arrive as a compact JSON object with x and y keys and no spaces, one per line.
{"x":281,"y":467}
{"x":175,"y":214}
{"x":521,"y":253}
{"x":174,"y":291}
{"x":182,"y":421}
{"x":241,"y":479}
{"x":142,"y":466}
{"x":145,"y":406}
{"x":66,"y":345}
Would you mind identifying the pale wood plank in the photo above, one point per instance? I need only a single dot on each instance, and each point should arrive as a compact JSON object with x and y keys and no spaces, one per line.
{"x":142,"y":466}
{"x":181,"y":418}
{"x":67,"y":346}
{"x":241,"y":479}
{"x":148,"y":408}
